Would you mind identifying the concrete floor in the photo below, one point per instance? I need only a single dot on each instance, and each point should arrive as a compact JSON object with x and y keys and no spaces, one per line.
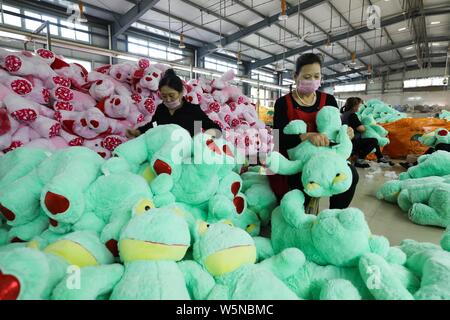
{"x":385,"y":218}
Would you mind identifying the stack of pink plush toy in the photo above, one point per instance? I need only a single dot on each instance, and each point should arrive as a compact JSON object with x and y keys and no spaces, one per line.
{"x":48,"y":103}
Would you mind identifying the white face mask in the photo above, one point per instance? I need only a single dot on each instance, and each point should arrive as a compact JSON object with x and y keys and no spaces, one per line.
{"x":172,"y":105}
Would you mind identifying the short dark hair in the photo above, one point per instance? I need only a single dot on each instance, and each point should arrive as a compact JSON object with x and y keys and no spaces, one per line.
{"x":171,"y":80}
{"x":305,"y":59}
{"x":351,"y":103}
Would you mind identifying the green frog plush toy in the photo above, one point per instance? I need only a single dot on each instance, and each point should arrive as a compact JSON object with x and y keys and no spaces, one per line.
{"x":19,"y":163}
{"x":425,"y":199}
{"x":435,"y":164}
{"x":55,"y":186}
{"x":228,"y":254}
{"x":151,"y":246}
{"x":438,"y":136}
{"x":373,"y":130}
{"x":334,"y":243}
{"x":259,"y":194}
{"x":324,"y":169}
{"x":30,"y":274}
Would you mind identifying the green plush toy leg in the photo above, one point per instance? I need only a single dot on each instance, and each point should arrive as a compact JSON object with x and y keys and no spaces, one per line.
{"x":89,"y":221}
{"x":292,"y":208}
{"x":91,"y":283}
{"x":114,"y":227}
{"x":220,"y":207}
{"x":286,"y":263}
{"x":335,"y":289}
{"x":445,"y":241}
{"x":422,"y":214}
{"x":404,"y":201}
{"x":381,"y":280}
{"x":22,"y":198}
{"x":219,"y":292}
{"x":161,"y":187}
{"x":198,"y":281}
{"x":280,"y":164}
{"x":134,"y":151}
{"x":28,"y":231}
{"x":264,"y":248}
{"x":62,"y":198}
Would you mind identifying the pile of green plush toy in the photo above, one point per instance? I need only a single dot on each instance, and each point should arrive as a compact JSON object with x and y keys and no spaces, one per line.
{"x":176,"y":217}
{"x":381,"y":112}
{"x":423,"y":191}
{"x":445,"y":114}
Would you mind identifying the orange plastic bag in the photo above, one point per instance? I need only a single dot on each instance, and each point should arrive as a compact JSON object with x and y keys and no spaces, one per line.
{"x":401,"y":132}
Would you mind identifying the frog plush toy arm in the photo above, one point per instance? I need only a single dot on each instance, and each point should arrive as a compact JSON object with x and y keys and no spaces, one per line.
{"x":285,"y":264}
{"x":198,"y":281}
{"x":134,"y":151}
{"x":95,"y":282}
{"x":161,"y":187}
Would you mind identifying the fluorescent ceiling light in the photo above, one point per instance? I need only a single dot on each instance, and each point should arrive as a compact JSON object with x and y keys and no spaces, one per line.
{"x":120,"y":56}
{"x":402,"y":29}
{"x":435,"y":22}
{"x":408,"y":48}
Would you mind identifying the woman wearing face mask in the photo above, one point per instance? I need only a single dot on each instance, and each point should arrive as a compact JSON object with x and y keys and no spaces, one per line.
{"x":303,"y":103}
{"x":361,"y":146}
{"x":175,"y":109}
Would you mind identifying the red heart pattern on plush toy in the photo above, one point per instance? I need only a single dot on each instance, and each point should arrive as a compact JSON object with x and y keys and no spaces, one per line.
{"x":24,"y":115}
{"x":9,"y":287}
{"x":8,"y":214}
{"x":21,"y":87}
{"x":64,"y":94}
{"x":111,"y":143}
{"x":13,"y":63}
{"x":56,"y":203}
{"x":46,"y":54}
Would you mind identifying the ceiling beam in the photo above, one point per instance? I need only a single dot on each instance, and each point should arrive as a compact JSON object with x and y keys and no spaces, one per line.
{"x":249,"y":8}
{"x":353,"y":28}
{"x":132,"y":15}
{"x":389,"y":36}
{"x":389,"y":48}
{"x":384,"y":23}
{"x":394,"y":71}
{"x":390,"y":63}
{"x":264,"y":23}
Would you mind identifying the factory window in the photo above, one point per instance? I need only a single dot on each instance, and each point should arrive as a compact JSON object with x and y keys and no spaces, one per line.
{"x":357,"y":87}
{"x":424,"y":82}
{"x":264,"y":76}
{"x":220,"y":65}
{"x":34,"y":24}
{"x":9,"y":18}
{"x":70,"y":33}
{"x":153,"y":50}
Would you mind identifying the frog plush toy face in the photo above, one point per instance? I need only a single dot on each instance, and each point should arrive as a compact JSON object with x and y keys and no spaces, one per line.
{"x":438,"y":136}
{"x":221,"y":248}
{"x":329,"y":180}
{"x":157,"y":234}
{"x":27,"y":273}
{"x":324,"y":169}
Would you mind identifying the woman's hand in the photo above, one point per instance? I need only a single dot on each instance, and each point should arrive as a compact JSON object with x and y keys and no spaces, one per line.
{"x":351,"y":133}
{"x":132,"y":133}
{"x":317,"y":139}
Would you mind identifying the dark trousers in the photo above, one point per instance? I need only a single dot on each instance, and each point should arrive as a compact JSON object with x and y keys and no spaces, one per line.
{"x":339,"y":201}
{"x":363,"y":146}
{"x":440,"y":146}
